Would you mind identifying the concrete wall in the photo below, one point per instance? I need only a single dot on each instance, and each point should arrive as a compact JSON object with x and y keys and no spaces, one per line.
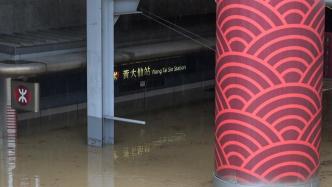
{"x":26,"y":15}
{"x":171,"y":8}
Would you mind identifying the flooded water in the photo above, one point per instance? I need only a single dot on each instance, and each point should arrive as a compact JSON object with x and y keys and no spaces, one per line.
{"x":175,"y":149}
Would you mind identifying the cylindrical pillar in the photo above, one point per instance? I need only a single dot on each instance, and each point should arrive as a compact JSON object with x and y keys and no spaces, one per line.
{"x":269,"y":70}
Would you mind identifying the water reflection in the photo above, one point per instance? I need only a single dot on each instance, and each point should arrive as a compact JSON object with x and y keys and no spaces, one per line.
{"x":133,"y":151}
{"x":30,"y":181}
{"x":179,"y":154}
{"x":174,"y":151}
{"x":100,"y":167}
{"x":35,"y":162}
{"x":9,"y":147}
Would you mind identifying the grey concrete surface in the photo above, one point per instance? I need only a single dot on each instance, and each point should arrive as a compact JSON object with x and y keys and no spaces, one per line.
{"x":17,"y":16}
{"x":168,"y":8}
{"x":28,"y":15}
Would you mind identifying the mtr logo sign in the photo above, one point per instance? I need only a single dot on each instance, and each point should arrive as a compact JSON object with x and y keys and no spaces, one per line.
{"x":25,"y":96}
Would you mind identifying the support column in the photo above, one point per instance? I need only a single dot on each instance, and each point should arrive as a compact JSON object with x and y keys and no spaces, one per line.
{"x":94,"y":73}
{"x":100,"y":60}
{"x":269,"y":70}
{"x":108,"y":69}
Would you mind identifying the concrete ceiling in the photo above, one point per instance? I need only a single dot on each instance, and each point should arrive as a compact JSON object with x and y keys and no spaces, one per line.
{"x":328,"y":2}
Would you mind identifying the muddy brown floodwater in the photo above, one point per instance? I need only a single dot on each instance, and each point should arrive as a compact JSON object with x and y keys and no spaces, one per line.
{"x":174,"y":149}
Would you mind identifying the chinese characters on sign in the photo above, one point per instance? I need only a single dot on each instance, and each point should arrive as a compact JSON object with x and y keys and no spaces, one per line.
{"x":159,"y":73}
{"x":147,"y":71}
{"x":138,"y":72}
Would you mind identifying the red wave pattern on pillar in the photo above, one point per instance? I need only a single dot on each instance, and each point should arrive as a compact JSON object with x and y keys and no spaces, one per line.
{"x":268,"y":92}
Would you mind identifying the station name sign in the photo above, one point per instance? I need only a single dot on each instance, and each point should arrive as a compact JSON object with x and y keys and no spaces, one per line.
{"x":141,"y":71}
{"x":162,"y":72}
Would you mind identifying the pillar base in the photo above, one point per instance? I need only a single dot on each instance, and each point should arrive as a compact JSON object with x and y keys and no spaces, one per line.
{"x":95,"y":131}
{"x":217,"y":182}
{"x":100,"y":131}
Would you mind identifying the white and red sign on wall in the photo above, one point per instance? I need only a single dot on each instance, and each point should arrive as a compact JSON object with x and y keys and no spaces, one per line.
{"x":25,"y":96}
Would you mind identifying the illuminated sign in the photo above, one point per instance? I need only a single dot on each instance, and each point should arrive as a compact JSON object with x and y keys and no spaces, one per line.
{"x":25,"y":96}
{"x":140,"y":72}
{"x":162,"y":73}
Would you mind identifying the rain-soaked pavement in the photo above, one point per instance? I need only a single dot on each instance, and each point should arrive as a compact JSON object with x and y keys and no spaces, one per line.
{"x":175,"y":149}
